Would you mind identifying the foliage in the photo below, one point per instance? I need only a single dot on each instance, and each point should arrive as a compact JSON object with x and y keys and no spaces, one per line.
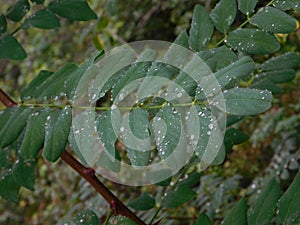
{"x":245,"y":59}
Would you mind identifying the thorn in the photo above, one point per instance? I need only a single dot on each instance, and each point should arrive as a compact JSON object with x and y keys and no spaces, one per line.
{"x":89,"y":171}
{"x":114,"y":207}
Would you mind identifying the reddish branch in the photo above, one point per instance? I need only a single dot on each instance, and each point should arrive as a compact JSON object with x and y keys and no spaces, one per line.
{"x":88,"y":174}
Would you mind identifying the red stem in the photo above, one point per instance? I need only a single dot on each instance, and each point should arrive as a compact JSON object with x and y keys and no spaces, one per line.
{"x":88,"y":174}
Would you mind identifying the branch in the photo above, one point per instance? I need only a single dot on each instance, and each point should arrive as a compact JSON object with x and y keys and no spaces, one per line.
{"x":88,"y":174}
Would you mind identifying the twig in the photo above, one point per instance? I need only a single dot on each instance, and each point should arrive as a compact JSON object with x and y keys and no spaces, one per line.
{"x":88,"y":174}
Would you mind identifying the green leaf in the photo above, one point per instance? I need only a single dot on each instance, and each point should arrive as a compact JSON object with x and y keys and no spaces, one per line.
{"x":56,"y":133}
{"x":223,"y":56}
{"x":201,"y":29}
{"x":3,"y":24}
{"x":191,"y":179}
{"x":30,"y":91}
{"x":266,"y":84}
{"x":224,"y":14}
{"x":237,"y":215}
{"x":242,"y":67}
{"x":24,"y":174}
{"x":120,"y":220}
{"x":14,"y":126}
{"x":247,"y":6}
{"x":288,"y":60}
{"x":86,"y":217}
{"x":234,"y":137}
{"x":5,"y":116}
{"x":44,"y":19}
{"x":34,"y":134}
{"x":54,"y":86}
{"x":262,"y":211}
{"x":72,"y":9}
{"x":279,"y":76}
{"x":274,"y":20}
{"x":178,"y":197}
{"x":106,"y":130}
{"x":9,"y":189}
{"x":167,"y":130}
{"x":246,"y":101}
{"x":253,"y":41}
{"x":288,"y":205}
{"x":136,"y":137}
{"x":203,"y":219}
{"x":108,"y":126}
{"x":10,"y":48}
{"x":144,"y":202}
{"x":287,"y":5}
{"x":182,"y":39}
{"x":18,"y":11}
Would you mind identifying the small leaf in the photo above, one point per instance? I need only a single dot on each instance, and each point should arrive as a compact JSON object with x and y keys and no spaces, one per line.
{"x":274,"y":20}
{"x":167,"y":127}
{"x":54,"y":85}
{"x":86,"y":217}
{"x":262,"y":211}
{"x":288,"y":60}
{"x":56,"y":133}
{"x":287,"y":5}
{"x":253,"y":41}
{"x":178,"y":197}
{"x":23,"y":173}
{"x":234,"y":137}
{"x":144,"y":202}
{"x":224,"y":14}
{"x":18,"y":11}
{"x":247,"y":6}
{"x":237,"y":215}
{"x":73,"y":9}
{"x":203,"y":219}
{"x":182,"y":39}
{"x":136,"y":137}
{"x":5,"y":116}
{"x":223,"y":56}
{"x":44,"y":19}
{"x":34,"y":134}
{"x":3,"y":24}
{"x":246,"y":101}
{"x":30,"y":91}
{"x":10,"y":48}
{"x":14,"y":126}
{"x":191,"y":179}
{"x":201,"y":29}
{"x":288,"y":205}
{"x":279,"y":76}
{"x":9,"y":189}
{"x":242,"y":67}
{"x":266,"y":84}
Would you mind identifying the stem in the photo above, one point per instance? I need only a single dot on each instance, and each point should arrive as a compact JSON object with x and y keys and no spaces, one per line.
{"x":88,"y":174}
